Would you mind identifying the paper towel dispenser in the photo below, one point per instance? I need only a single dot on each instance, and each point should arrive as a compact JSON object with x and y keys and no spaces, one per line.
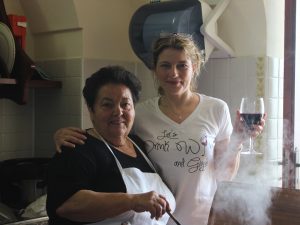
{"x":153,"y":19}
{"x":194,"y":17}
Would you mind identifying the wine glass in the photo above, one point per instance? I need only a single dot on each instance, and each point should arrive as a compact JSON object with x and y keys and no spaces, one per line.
{"x":251,"y":110}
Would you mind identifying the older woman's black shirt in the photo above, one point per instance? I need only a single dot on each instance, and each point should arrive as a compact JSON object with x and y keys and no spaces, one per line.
{"x":87,"y":167}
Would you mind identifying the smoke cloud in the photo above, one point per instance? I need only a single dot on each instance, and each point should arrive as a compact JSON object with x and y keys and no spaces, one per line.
{"x":243,"y":204}
{"x":247,"y":199}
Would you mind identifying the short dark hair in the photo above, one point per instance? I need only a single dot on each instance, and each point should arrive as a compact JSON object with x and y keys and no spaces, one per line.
{"x":110,"y":75}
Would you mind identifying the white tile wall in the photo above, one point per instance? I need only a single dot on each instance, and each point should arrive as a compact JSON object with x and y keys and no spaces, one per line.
{"x":272,"y":144}
{"x":237,"y":76}
{"x":280,"y":108}
{"x":16,"y":129}
{"x":275,"y":109}
{"x":273,"y":87}
{"x":56,"y":108}
{"x":205,"y":83}
{"x":272,"y":104}
{"x":149,"y":89}
{"x":229,"y":79}
{"x":279,"y":152}
{"x":272,"y":124}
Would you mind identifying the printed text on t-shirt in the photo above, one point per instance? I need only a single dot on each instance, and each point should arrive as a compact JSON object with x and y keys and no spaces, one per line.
{"x":192,"y":153}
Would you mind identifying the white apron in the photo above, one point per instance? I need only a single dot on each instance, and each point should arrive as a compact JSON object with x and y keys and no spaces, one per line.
{"x":137,"y":182}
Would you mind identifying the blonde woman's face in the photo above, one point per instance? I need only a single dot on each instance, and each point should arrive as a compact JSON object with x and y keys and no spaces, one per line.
{"x":174,"y":71}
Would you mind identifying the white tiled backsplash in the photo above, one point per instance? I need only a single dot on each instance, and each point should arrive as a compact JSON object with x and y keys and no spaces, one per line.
{"x":16,"y":129}
{"x":55,"y":108}
{"x":28,"y":130}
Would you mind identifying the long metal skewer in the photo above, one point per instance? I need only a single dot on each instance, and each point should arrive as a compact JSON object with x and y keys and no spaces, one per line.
{"x":173,"y":218}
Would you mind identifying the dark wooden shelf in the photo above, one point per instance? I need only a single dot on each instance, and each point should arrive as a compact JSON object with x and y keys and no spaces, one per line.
{"x":18,"y":92}
{"x":44,"y":84}
{"x":7,"y":81}
{"x":33,"y":83}
{"x":24,"y":74}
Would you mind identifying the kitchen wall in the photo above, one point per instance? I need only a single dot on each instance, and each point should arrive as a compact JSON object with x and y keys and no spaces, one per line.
{"x":70,"y":45}
{"x":16,"y":129}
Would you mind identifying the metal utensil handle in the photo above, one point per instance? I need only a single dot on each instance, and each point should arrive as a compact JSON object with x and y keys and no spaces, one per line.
{"x":173,"y":218}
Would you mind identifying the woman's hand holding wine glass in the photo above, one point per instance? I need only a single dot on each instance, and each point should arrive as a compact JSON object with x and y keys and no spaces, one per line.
{"x":252,"y":115}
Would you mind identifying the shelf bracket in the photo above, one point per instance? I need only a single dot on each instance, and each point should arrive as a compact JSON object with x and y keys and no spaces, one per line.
{"x":209,"y":28}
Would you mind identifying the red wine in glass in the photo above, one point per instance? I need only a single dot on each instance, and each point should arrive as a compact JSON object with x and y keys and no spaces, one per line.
{"x":251,"y":119}
{"x":251,"y":112}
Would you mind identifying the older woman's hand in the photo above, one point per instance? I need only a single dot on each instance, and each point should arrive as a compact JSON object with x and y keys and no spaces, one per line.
{"x":69,"y":137}
{"x":152,"y":202}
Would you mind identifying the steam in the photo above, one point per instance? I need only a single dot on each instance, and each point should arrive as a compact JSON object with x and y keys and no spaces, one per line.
{"x":247,"y":199}
{"x":244,"y":204}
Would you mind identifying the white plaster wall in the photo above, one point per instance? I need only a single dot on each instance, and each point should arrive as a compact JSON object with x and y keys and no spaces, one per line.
{"x":243,"y":27}
{"x":50,"y":15}
{"x":56,"y":26}
{"x":275,"y":28}
{"x":58,"y":45}
{"x":105,"y":26}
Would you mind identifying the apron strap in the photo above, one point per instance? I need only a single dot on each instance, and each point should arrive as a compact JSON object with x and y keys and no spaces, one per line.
{"x":143,"y":154}
{"x":118,"y":162}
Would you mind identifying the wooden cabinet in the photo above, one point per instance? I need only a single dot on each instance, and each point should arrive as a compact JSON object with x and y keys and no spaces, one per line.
{"x":15,"y":86}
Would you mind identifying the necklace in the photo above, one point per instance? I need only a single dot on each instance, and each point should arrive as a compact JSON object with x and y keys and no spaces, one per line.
{"x":182,"y":111}
{"x":176,"y":114}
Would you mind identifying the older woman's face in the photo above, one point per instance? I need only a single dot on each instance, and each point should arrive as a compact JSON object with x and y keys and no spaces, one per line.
{"x":113,"y":112}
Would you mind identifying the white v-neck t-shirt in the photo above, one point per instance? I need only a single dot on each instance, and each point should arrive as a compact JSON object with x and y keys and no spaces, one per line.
{"x":184,"y":153}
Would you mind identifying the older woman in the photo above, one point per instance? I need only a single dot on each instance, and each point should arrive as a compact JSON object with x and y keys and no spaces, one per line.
{"x":108,"y":180}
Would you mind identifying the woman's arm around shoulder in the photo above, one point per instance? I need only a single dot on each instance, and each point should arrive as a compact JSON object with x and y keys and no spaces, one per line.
{"x":69,"y":137}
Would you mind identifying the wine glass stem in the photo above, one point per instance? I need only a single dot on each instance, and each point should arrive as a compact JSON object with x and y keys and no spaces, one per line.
{"x":251,"y":147}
